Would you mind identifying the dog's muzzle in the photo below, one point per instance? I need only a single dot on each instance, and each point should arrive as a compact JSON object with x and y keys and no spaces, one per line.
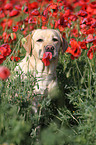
{"x":52,"y":49}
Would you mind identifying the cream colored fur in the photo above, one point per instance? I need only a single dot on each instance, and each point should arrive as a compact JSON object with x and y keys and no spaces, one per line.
{"x":33,"y":60}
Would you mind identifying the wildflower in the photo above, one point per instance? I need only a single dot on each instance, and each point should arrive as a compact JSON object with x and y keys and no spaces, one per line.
{"x":46,"y":57}
{"x":82,"y":13}
{"x":90,"y":38}
{"x":33,"y":5}
{"x":35,"y":12}
{"x":15,"y":28}
{"x":83,"y":44}
{"x":4,"y":72}
{"x":91,"y":51}
{"x":8,"y":6}
{"x":15,"y":58}
{"x":93,"y":5}
{"x":4,"y":52}
{"x":18,"y":7}
{"x":14,"y":13}
{"x":75,"y":48}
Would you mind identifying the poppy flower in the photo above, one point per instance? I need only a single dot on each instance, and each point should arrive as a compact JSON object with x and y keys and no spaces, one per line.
{"x":4,"y":72}
{"x":46,"y":57}
{"x":5,"y":50}
{"x":2,"y":58}
{"x":93,"y":5}
{"x":6,"y":23}
{"x":82,"y":13}
{"x":2,"y":14}
{"x":83,"y":44}
{"x":35,"y":12}
{"x":14,"y":13}
{"x":32,"y":20}
{"x":33,"y":5}
{"x":75,"y":48}
{"x":8,"y":6}
{"x":15,"y":58}
{"x":5,"y":37}
{"x":15,"y":28}
{"x":90,"y":38}
{"x":18,"y":7}
{"x":53,"y":9}
{"x":94,"y":25}
{"x":0,"y":37}
{"x":91,"y":51}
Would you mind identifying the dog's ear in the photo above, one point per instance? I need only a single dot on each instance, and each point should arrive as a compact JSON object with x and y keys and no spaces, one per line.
{"x":64,"y":44}
{"x":27,"y":42}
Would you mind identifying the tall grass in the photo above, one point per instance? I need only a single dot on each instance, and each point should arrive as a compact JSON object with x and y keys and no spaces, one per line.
{"x":69,"y":119}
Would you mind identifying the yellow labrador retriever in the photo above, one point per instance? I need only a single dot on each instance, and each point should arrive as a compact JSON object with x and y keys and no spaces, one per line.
{"x":37,"y":44}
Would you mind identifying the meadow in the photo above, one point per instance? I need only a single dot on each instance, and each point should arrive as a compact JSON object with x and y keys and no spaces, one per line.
{"x":70,"y":118}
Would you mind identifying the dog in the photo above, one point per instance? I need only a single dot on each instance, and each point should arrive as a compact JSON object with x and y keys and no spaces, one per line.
{"x":39,"y":42}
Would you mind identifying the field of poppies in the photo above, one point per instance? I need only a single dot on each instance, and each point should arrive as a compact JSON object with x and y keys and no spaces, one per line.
{"x":70,"y":118}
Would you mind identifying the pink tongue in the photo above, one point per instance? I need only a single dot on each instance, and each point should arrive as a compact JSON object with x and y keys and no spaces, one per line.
{"x":46,"y":57}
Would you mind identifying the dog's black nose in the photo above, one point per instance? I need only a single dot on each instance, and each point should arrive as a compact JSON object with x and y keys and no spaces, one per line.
{"x":49,"y":48}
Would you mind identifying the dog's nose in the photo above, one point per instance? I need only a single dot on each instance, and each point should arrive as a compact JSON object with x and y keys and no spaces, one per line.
{"x":49,"y":48}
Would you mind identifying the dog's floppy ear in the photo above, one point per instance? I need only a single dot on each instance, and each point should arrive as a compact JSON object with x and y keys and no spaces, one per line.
{"x":27,"y":42}
{"x":64,"y":44}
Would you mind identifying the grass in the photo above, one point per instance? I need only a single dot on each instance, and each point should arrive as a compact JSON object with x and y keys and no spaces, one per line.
{"x":69,"y":119}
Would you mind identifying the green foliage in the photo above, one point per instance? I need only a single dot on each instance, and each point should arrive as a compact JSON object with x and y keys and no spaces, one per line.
{"x":69,"y":119}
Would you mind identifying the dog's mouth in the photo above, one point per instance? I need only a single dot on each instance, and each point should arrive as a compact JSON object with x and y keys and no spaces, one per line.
{"x":47,"y":56}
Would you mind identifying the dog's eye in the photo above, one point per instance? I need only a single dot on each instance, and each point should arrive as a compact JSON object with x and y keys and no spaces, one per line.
{"x":40,"y":40}
{"x":55,"y":39}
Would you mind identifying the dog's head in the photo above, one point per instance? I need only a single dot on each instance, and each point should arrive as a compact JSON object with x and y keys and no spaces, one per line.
{"x":45,"y":40}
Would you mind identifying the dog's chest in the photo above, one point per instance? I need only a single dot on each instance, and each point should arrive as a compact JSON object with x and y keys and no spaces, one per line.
{"x":46,"y":78}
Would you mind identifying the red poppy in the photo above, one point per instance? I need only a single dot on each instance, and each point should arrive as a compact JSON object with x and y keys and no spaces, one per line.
{"x":74,"y":32}
{"x":6,"y":23}
{"x":35,"y":12}
{"x":4,"y":72}
{"x":75,"y":48}
{"x":5,"y":37}
{"x":82,"y":44}
{"x":5,"y":50}
{"x":82,"y":13}
{"x":90,"y":38}
{"x":46,"y":57}
{"x":0,"y":37}
{"x":2,"y":59}
{"x":15,"y":58}
{"x":91,"y":51}
{"x":15,"y":28}
{"x":14,"y":13}
{"x":94,"y":25}
{"x":53,"y":9}
{"x":8,"y":6}
{"x":33,"y":5}
{"x":18,"y":7}
{"x":2,"y":14}
{"x":32,"y":20}
{"x":93,"y":5}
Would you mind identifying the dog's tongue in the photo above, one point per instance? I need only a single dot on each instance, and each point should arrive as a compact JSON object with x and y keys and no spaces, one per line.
{"x":46,"y":57}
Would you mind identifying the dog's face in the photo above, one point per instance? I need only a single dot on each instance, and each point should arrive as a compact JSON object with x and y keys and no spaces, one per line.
{"x":45,"y":40}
